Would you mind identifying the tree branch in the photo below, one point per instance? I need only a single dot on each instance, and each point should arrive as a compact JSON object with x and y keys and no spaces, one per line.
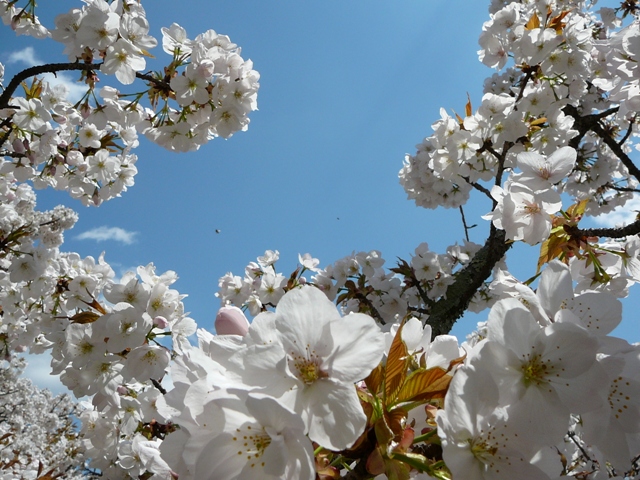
{"x":464,"y":224}
{"x":38,"y":70}
{"x":621,"y":232}
{"x":452,"y":306}
{"x":621,"y":189}
{"x":59,"y":67}
{"x":478,"y":187}
{"x":584,"y":123}
{"x":617,"y":150}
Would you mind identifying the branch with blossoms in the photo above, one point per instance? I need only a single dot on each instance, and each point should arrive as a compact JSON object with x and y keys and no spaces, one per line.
{"x":87,"y":68}
{"x":468,"y":281}
{"x":39,"y":70}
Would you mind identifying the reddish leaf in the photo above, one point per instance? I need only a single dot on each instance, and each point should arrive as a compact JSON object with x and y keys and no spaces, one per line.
{"x":396,"y":368}
{"x":395,"y":421}
{"x":424,"y":385}
{"x":374,"y":380}
{"x":84,"y":317}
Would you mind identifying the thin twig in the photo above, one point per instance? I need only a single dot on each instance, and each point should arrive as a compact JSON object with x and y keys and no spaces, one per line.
{"x":478,"y":187}
{"x":464,"y":224}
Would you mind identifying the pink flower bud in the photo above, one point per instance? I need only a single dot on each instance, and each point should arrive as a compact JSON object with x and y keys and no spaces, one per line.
{"x":19,"y":146}
{"x":122,"y":390}
{"x":205,"y":69}
{"x":160,"y":322}
{"x":231,"y":321}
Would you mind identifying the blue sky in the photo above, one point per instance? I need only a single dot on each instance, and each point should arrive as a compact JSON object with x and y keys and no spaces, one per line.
{"x":347,"y":88}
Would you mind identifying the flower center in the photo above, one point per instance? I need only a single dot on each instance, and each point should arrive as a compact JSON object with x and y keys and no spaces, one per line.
{"x":251,"y":443}
{"x":482,"y":450}
{"x":308,"y":372}
{"x":545,"y":172}
{"x":535,"y":371}
{"x":307,"y":367}
{"x":532,"y":208}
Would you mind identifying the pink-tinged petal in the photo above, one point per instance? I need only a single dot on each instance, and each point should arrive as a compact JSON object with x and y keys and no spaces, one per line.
{"x":269,"y":412}
{"x":442,"y":350}
{"x":264,"y":366}
{"x":218,"y":459}
{"x":471,"y":398}
{"x":231,"y":320}
{"x":610,"y":438}
{"x":478,"y":442}
{"x":359,"y":348}
{"x":583,"y":393}
{"x":263,"y":330}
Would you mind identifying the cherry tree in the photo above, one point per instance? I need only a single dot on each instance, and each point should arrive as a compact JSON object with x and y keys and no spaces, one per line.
{"x":346,"y":371}
{"x":38,"y":436}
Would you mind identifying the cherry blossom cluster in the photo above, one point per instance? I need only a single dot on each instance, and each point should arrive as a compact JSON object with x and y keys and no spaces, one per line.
{"x":358,"y":282}
{"x":22,"y":19}
{"x":105,"y":336}
{"x":543,"y":391}
{"x":563,"y":62}
{"x":84,"y":145}
{"x":543,"y":385}
{"x":37,"y":434}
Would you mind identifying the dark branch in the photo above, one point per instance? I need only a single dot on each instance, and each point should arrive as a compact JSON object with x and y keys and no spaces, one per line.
{"x":631,"y":229}
{"x":617,"y":150}
{"x":478,"y":187}
{"x":500,"y":171}
{"x":39,"y":70}
{"x":464,"y":224}
{"x":59,"y":67}
{"x":150,"y":78}
{"x":452,"y":306}
{"x":622,"y":189}
{"x":584,"y":123}
{"x":628,"y":134}
{"x":592,"y":122}
{"x":156,"y":384}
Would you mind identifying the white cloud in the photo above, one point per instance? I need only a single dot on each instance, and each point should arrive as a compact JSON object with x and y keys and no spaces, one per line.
{"x":101,"y":234}
{"x":29,"y":58}
{"x":26,"y":55}
{"x":39,"y":372}
{"x":621,"y":215}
